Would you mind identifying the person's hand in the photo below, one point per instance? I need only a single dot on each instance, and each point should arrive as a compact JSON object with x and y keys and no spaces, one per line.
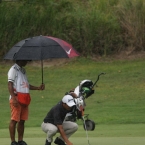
{"x":69,"y":143}
{"x":15,"y":102}
{"x":42,"y":87}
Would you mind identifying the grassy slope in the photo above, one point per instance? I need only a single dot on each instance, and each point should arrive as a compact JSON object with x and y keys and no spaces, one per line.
{"x":119,"y":97}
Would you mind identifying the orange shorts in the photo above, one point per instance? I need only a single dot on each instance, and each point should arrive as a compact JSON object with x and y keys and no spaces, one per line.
{"x":18,"y":113}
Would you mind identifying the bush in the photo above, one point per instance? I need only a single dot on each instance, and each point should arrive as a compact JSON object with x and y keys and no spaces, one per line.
{"x":94,"y":27}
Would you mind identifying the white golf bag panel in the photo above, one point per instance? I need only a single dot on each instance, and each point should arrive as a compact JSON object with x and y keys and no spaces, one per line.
{"x":80,"y":99}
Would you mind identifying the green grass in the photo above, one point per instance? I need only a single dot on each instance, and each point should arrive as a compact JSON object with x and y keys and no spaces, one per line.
{"x":131,"y":134}
{"x":118,"y":99}
{"x":93,"y":141}
{"x":117,"y":107}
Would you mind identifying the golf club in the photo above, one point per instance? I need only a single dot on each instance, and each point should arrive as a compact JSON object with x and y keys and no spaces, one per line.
{"x":103,"y":73}
{"x":86,"y":130}
{"x":85,"y":90}
{"x":82,"y":113}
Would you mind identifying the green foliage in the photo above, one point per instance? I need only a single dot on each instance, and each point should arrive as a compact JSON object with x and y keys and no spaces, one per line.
{"x":94,"y":27}
{"x":131,"y":16}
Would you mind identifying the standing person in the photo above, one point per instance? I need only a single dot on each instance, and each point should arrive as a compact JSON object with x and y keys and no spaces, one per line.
{"x":19,"y":87}
{"x":54,"y":121}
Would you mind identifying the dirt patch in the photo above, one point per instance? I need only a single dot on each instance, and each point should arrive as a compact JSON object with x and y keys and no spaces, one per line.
{"x":51,"y":62}
{"x":124,"y":55}
{"x":46,"y":63}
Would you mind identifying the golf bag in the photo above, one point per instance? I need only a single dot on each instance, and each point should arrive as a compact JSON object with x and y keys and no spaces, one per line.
{"x":84,"y":90}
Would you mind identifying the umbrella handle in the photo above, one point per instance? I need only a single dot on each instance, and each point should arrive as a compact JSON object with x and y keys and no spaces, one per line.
{"x":42,"y":69}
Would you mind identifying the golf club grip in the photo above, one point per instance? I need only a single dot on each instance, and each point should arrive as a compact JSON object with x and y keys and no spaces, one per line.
{"x":95,"y":83}
{"x":98,"y":79}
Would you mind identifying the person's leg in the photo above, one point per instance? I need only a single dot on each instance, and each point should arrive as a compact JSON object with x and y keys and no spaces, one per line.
{"x":20,"y":130}
{"x":50,"y":130}
{"x":21,"y":124}
{"x":47,"y":142}
{"x":69,"y":128}
{"x":12,"y":129}
{"x":15,"y":117}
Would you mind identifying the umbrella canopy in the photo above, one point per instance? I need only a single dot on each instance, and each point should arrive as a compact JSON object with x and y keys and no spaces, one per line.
{"x":40,"y":48}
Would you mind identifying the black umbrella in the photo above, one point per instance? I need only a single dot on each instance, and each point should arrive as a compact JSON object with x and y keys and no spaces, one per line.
{"x":40,"y":48}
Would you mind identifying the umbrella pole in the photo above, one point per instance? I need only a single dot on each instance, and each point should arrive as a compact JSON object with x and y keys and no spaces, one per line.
{"x":42,"y":69}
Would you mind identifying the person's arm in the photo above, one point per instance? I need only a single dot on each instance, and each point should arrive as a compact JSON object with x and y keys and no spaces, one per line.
{"x":13,"y":95}
{"x":74,"y":95}
{"x":41,"y":87}
{"x":60,"y":128}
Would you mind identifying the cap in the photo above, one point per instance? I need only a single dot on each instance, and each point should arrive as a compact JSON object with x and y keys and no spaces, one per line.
{"x":69,"y":100}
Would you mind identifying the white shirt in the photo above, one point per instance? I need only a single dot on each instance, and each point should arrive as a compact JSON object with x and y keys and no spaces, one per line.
{"x":17,"y":75}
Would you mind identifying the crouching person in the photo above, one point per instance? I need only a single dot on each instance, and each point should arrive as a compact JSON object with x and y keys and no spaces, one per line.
{"x":54,"y":122}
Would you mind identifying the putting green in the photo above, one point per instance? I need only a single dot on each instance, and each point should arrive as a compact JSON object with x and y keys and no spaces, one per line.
{"x":84,"y":141}
{"x":121,"y":134}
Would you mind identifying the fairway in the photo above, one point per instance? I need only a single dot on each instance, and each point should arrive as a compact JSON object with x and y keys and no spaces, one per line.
{"x":83,"y":141}
{"x":103,"y":135}
{"x":117,"y":106}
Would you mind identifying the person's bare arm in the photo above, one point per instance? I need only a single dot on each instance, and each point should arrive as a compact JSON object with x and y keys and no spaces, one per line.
{"x":73,"y":95}
{"x":41,"y":87}
{"x":13,"y":95}
{"x":60,"y":128}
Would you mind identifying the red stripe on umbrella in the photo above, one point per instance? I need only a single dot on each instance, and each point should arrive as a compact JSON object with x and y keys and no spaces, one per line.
{"x":70,"y":51}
